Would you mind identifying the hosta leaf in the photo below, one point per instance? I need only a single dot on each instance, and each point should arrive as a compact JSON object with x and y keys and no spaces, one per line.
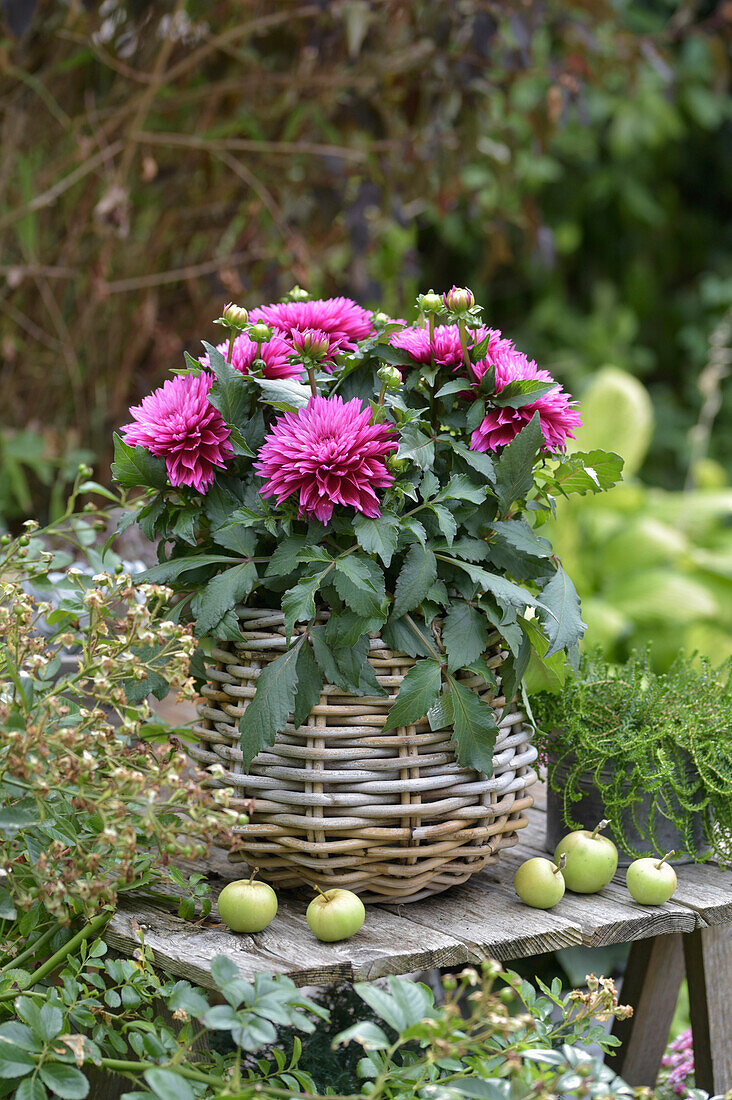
{"x":416,"y":577}
{"x":475,"y":728}
{"x":273,"y":702}
{"x":515,"y":469}
{"x":418,"y":692}
{"x":560,"y":613}
{"x":378,"y":536}
{"x":465,"y":635}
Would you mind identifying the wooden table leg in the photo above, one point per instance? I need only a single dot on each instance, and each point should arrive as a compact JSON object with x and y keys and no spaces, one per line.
{"x":708,"y":954}
{"x":651,"y":986}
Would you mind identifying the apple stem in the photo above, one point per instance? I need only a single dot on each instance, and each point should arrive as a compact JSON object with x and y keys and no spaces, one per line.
{"x":599,"y":827}
{"x":562,"y":863}
{"x":667,"y":856}
{"x":316,"y":887}
{"x":251,"y":877}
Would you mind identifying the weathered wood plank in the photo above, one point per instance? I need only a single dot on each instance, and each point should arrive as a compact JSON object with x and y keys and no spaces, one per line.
{"x":708,"y":953}
{"x":651,"y":986}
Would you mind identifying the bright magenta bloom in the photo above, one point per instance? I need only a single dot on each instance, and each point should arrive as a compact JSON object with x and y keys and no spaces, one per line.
{"x":276,"y":354}
{"x":343,"y":320}
{"x":329,"y":453}
{"x":557,"y":412}
{"x":447,"y":348}
{"x":177,"y":423}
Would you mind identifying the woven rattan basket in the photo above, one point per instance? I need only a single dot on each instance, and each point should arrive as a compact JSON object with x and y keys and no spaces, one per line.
{"x":339,"y":803}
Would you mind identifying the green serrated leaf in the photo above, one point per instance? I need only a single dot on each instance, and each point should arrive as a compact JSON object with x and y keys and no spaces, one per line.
{"x":231,"y":392}
{"x":515,"y":469}
{"x":273,"y":702}
{"x":168,"y":1085}
{"x":222,"y":594}
{"x":588,"y":472}
{"x":134,"y":466}
{"x":542,"y":673}
{"x":465,"y":635}
{"x":416,"y":446}
{"x":460,"y":487}
{"x":284,"y":558}
{"x":475,"y":728}
{"x":480,"y":462}
{"x":400,"y":636}
{"x":378,"y":536}
{"x":517,"y":534}
{"x":309,"y":684}
{"x":520,"y":392}
{"x":283,"y":393}
{"x":174,"y":568}
{"x":441,"y":714}
{"x":395,"y":357}
{"x":298,"y":603}
{"x":65,"y":1081}
{"x":560,"y":613}
{"x":418,"y":692}
{"x":455,"y":385}
{"x":475,"y":415}
{"x":360,"y":583}
{"x":446,"y":522}
{"x":415,"y":579}
{"x":505,"y":591}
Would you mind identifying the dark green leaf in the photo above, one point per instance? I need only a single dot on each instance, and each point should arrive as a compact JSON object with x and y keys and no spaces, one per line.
{"x":396,"y":357}
{"x":168,"y":1085}
{"x":7,"y":905}
{"x":360,"y":583}
{"x":480,"y":462}
{"x":174,"y":568}
{"x":504,"y":591}
{"x":14,"y":1060}
{"x":283,"y":393}
{"x":353,"y":664}
{"x":415,"y":445}
{"x":399,"y":635}
{"x":465,"y":635}
{"x":378,"y":536}
{"x":273,"y":702}
{"x":560,"y":613}
{"x":515,"y":469}
{"x":50,"y":1022}
{"x":135,"y":466}
{"x":298,"y":603}
{"x":416,"y":577}
{"x":309,"y":684}
{"x":455,"y":385}
{"x":460,"y":487}
{"x":284,"y":558}
{"x":475,"y":415}
{"x":588,"y":471}
{"x":236,"y":537}
{"x":475,"y":728}
{"x":446,"y":522}
{"x":222,"y":594}
{"x":522,"y":391}
{"x":31,"y":1088}
{"x":231,"y":392}
{"x":418,"y":692}
{"x":65,"y":1081}
{"x":517,"y":534}
{"x":543,"y":673}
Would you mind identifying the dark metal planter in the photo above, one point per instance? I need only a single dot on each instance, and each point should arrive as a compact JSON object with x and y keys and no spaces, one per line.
{"x":591,"y":809}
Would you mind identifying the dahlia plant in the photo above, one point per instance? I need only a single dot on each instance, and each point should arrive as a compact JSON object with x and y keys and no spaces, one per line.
{"x":393,"y":475}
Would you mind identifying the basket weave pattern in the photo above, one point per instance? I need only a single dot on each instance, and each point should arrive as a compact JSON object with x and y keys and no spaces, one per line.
{"x":339,"y":803}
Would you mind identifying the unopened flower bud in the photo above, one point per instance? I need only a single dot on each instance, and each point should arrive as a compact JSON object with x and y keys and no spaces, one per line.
{"x":260,"y":332}
{"x":382,"y":318}
{"x":390,"y":376}
{"x":4,"y":540}
{"x":459,"y":299}
{"x":84,"y":470}
{"x":430,"y":303}
{"x":311,"y":342}
{"x":235,"y":316}
{"x":297,"y":294}
{"x":397,"y":465}
{"x":23,"y":540}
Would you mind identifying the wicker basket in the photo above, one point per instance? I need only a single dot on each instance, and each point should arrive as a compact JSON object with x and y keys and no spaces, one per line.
{"x":339,"y":803}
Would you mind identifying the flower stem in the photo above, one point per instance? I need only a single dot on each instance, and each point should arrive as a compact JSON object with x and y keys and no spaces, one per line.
{"x":311,"y":376}
{"x":69,"y":948}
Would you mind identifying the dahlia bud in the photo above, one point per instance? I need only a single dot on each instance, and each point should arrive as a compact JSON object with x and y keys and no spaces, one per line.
{"x":311,"y":343}
{"x":297,"y":294}
{"x":382,"y":318}
{"x":390,"y":376}
{"x":397,"y":465}
{"x":235,"y":316}
{"x":459,"y":299}
{"x":430,"y":303}
{"x":260,"y":332}
{"x":84,"y":470}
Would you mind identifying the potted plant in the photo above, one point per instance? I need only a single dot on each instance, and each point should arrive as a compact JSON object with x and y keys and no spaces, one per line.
{"x":651,"y":752}
{"x":347,"y":507}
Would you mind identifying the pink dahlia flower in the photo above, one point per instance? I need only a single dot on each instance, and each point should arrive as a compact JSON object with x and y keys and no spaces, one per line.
{"x":178,"y":423}
{"x":343,"y":320}
{"x":447,"y":347}
{"x":557,"y":412}
{"x":330,"y":453}
{"x":276,"y":354}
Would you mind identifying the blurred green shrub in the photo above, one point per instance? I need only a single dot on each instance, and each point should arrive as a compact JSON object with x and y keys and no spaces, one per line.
{"x":564,"y":156}
{"x":653,"y":565}
{"x":33,"y":465}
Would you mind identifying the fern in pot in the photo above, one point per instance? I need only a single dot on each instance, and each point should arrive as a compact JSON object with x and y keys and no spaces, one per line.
{"x":348,"y":508}
{"x":650,"y":752}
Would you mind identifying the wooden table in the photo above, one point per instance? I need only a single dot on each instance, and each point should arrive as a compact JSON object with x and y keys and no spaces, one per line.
{"x":484,"y":919}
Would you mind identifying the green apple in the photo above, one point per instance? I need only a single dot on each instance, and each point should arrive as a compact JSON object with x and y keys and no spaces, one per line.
{"x":539,"y":882}
{"x":335,"y":914}
{"x":651,"y":881}
{"x":246,"y":905}
{"x":592,"y":860}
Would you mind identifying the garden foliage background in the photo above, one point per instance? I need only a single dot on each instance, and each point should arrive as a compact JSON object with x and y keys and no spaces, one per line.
{"x":570,"y":160}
